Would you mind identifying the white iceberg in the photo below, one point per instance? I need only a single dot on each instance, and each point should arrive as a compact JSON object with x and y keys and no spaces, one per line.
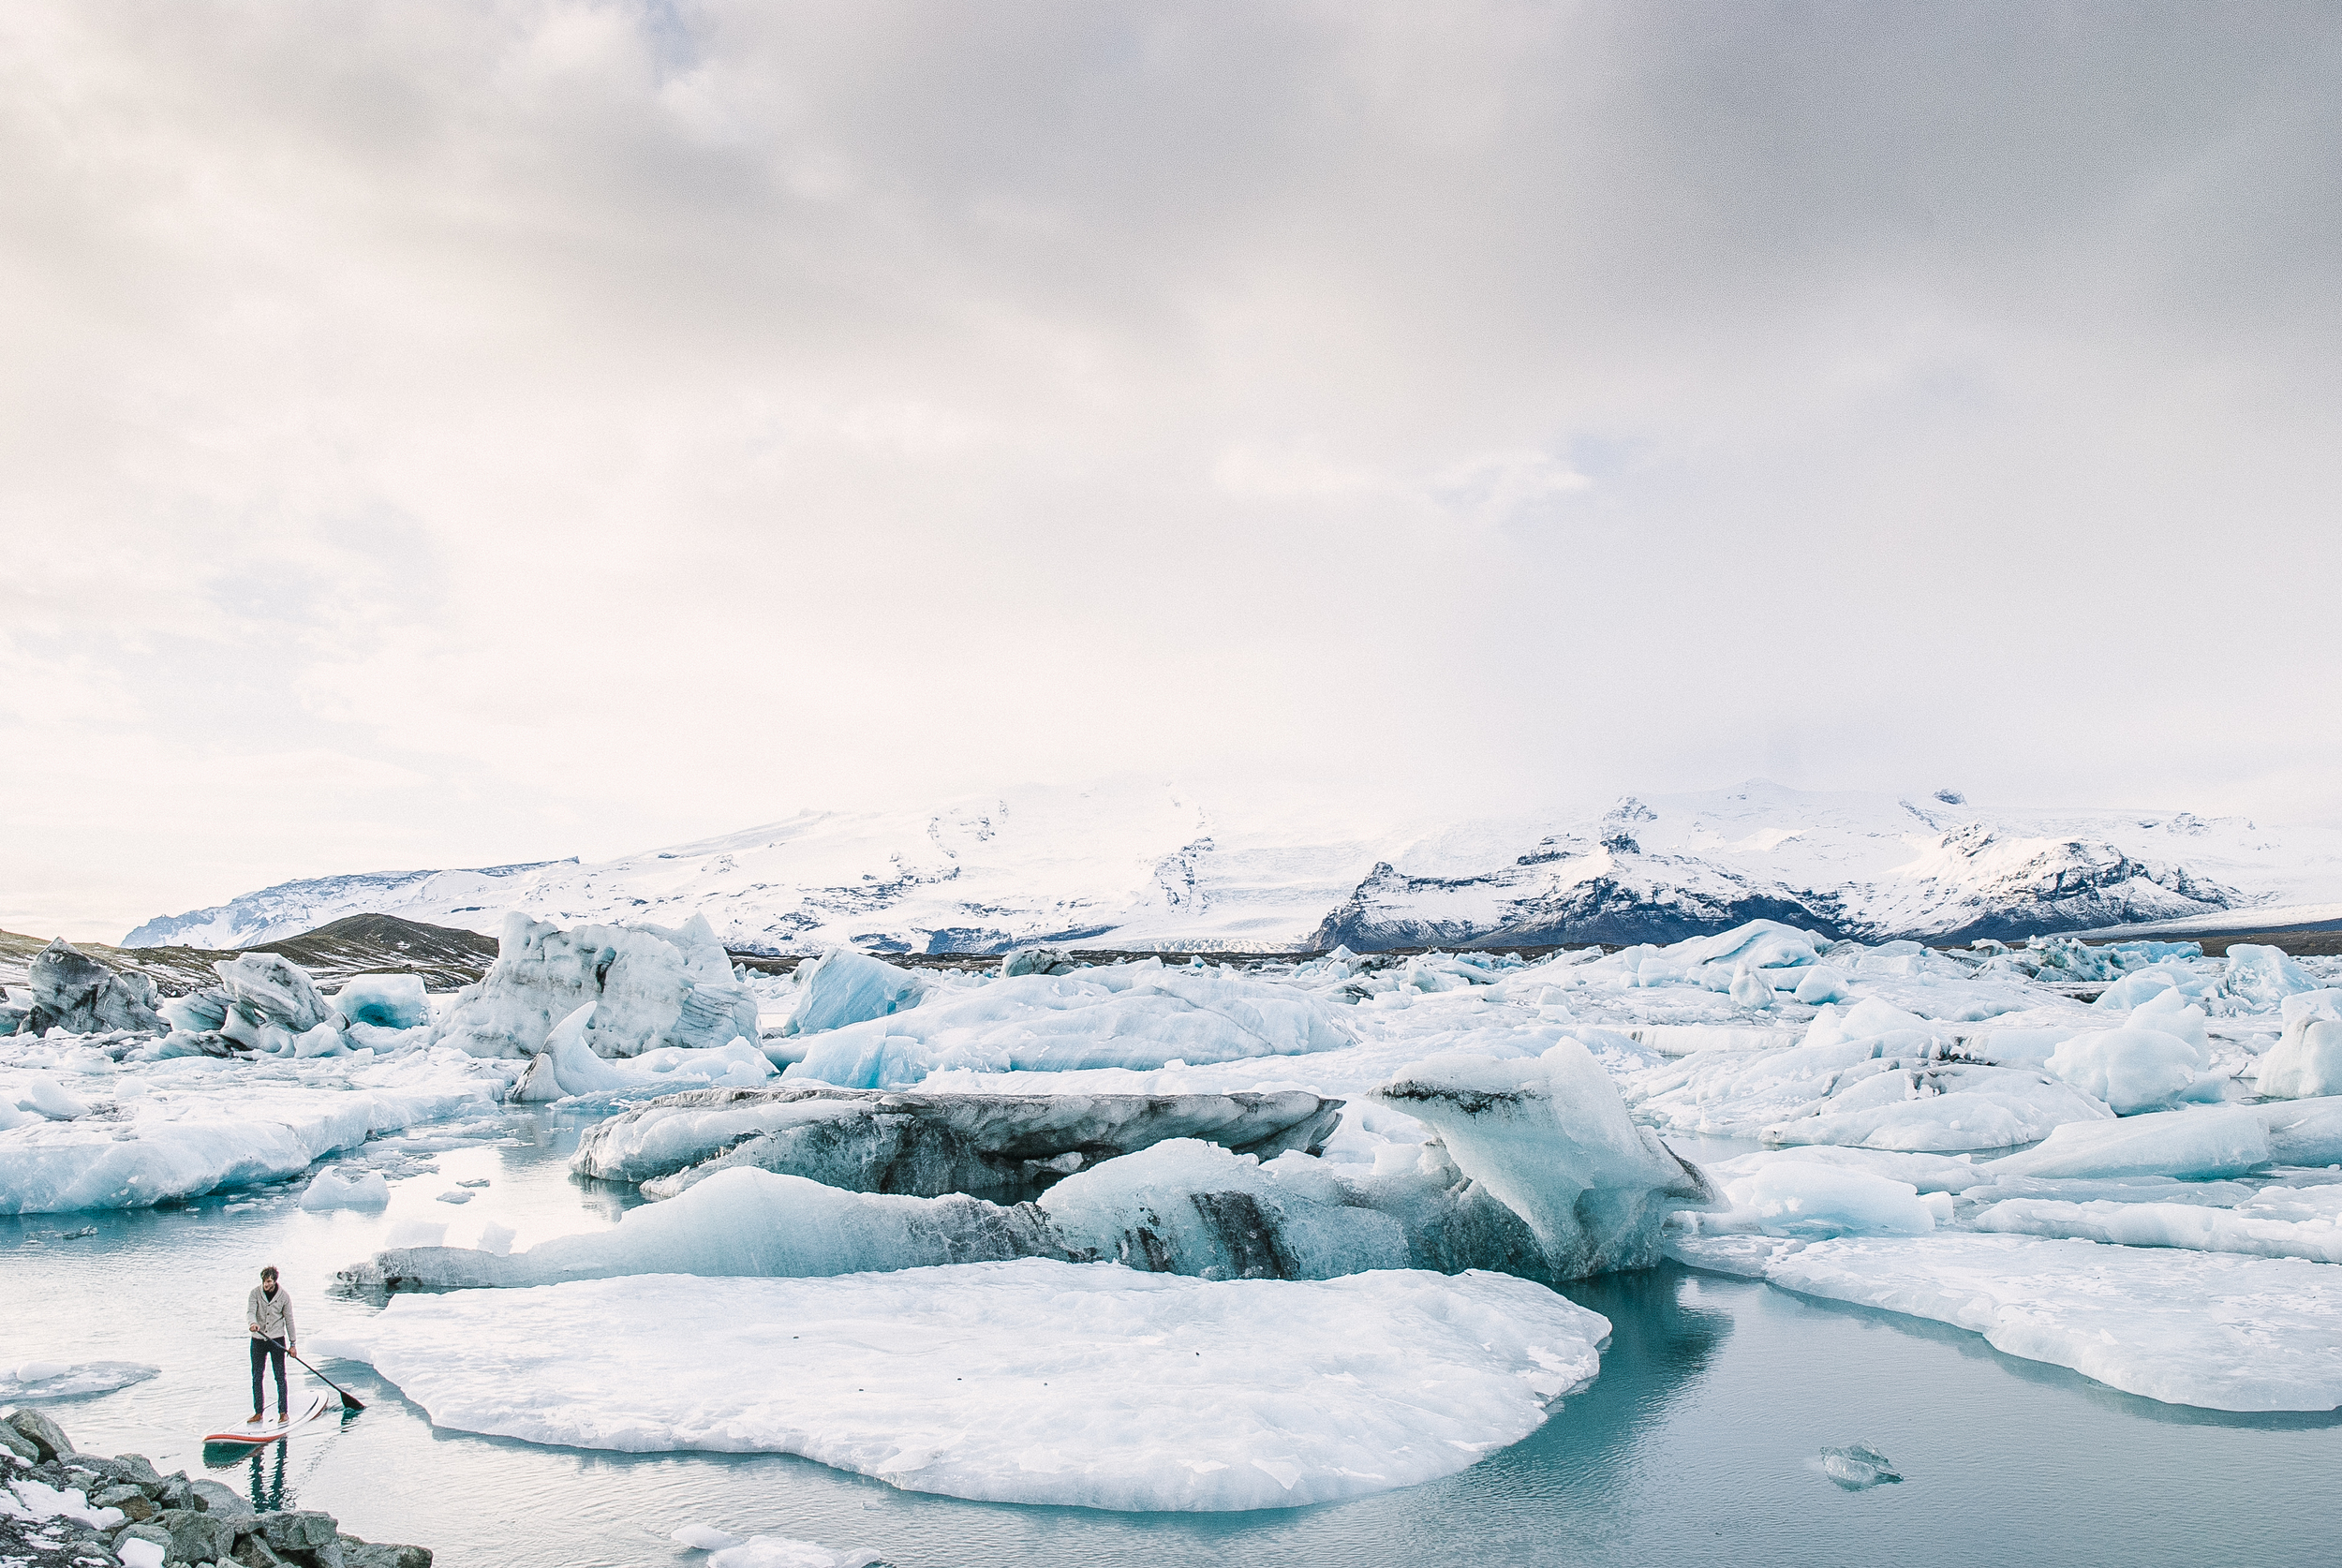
{"x":1798,"y":1198}
{"x":1031,"y":1382}
{"x":387,"y":1001}
{"x":2306,"y":1061}
{"x":2129,"y":1068}
{"x":357,"y":1189}
{"x":576,"y":1069}
{"x":647,"y":987}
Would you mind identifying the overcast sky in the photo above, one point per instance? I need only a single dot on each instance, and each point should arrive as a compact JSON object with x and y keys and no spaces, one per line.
{"x":449,"y":434}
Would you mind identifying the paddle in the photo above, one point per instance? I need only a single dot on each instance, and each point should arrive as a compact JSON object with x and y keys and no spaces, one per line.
{"x":349,"y":1400}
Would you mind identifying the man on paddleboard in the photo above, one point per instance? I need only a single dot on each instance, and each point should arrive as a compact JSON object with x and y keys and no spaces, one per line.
{"x":269,"y":1318}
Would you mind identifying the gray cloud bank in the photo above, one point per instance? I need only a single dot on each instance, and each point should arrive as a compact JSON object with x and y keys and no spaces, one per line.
{"x":438,"y":434}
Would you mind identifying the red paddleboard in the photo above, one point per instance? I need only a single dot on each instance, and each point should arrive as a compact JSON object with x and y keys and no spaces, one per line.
{"x":305,"y":1418}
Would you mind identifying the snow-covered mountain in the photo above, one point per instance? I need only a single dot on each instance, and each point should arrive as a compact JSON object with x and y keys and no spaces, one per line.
{"x":290,"y":909}
{"x":1151,"y":867}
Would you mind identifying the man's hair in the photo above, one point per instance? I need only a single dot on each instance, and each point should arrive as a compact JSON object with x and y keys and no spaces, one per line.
{"x":269,"y":1272}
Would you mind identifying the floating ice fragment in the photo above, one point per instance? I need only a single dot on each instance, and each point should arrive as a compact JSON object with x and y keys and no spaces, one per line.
{"x":704,"y":1538}
{"x":335,"y":1190}
{"x":782,"y":1551}
{"x":1798,"y":1198}
{"x":1857,"y":1467}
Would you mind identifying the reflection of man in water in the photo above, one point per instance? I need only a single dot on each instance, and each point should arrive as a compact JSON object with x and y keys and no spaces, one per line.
{"x":269,"y":1319}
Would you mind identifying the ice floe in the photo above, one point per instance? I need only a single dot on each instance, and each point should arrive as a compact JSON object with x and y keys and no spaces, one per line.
{"x":2188,"y":1327}
{"x":1030,"y":1382}
{"x":160,"y":1132}
{"x":70,"y":1380}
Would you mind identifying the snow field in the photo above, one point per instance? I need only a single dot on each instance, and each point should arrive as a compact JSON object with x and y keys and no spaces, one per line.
{"x":1091,"y":1386}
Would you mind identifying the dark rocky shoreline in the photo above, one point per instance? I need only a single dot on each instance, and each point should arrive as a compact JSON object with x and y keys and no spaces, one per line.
{"x":191,"y":1522}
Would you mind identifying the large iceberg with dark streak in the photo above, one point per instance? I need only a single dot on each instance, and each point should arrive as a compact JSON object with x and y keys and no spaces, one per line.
{"x":1536,"y":1172}
{"x":927,"y":1144}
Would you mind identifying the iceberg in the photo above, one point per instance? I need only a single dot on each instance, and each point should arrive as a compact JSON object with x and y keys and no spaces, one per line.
{"x":1547,"y":1180}
{"x":1939,"y":1107}
{"x":1798,"y":1198}
{"x":389,"y":1001}
{"x":2139,"y":984}
{"x":270,"y":1004}
{"x":742,"y":1222}
{"x":1030,"y":1382}
{"x":2306,"y":1061}
{"x":335,"y":1190}
{"x":648,"y":987}
{"x":1551,"y":1139}
{"x":1922,"y":1172}
{"x":2129,"y":1068}
{"x":1129,"y":1016}
{"x":77,"y":994}
{"x":927,"y":1144}
{"x":2260,"y":978}
{"x":2187,"y":1327}
{"x":575,"y":1070}
{"x":2303,"y":1132}
{"x":843,"y":986}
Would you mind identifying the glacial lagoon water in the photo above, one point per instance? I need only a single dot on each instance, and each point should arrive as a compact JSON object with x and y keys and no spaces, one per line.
{"x":1698,"y":1443}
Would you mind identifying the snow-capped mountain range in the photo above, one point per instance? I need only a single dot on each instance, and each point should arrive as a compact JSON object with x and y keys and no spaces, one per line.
{"x":1151,"y":867}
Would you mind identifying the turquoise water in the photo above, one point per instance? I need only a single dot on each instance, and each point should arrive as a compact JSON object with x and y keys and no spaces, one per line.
{"x":1696,"y":1445}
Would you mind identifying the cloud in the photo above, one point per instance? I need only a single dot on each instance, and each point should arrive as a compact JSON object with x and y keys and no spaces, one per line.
{"x":601,"y":423}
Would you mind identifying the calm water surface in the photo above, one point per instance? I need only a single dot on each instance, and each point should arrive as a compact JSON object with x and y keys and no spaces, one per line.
{"x":1696,"y":1445}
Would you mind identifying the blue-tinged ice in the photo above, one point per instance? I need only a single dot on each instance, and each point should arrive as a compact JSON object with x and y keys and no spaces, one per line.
{"x":843,"y":986}
{"x":389,"y":1001}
